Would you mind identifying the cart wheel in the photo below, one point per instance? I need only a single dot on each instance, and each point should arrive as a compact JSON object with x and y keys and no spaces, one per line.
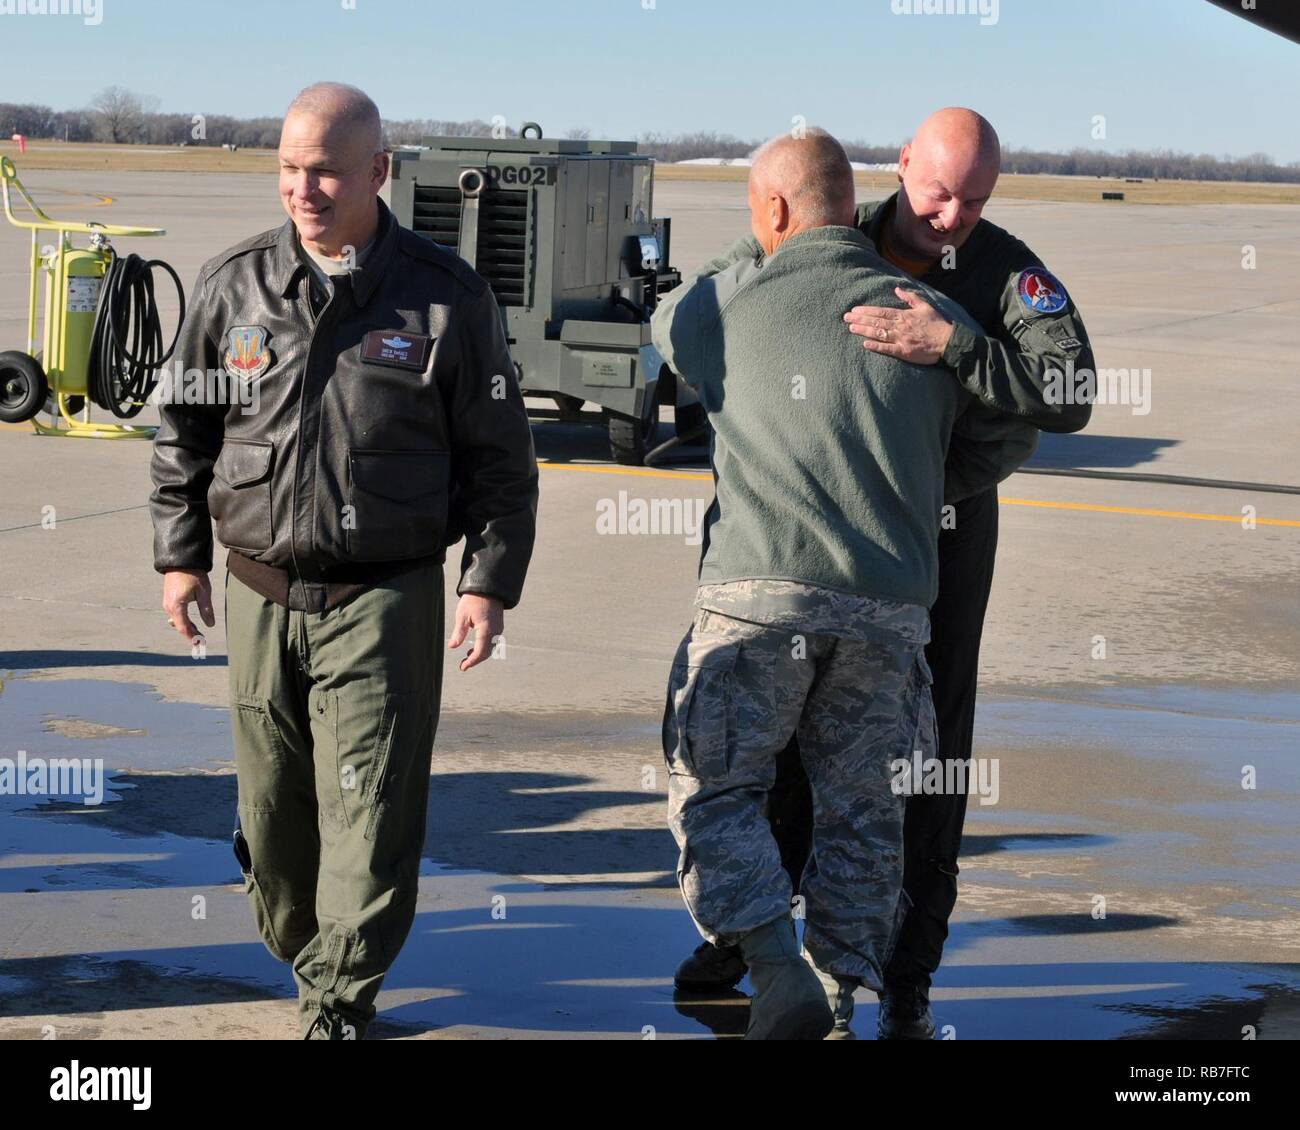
{"x":23,"y":387}
{"x":692,"y":419}
{"x":75,"y":404}
{"x":630,"y":439}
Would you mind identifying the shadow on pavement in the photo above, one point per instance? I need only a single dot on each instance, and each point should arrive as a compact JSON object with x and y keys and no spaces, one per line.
{"x":1096,"y":452}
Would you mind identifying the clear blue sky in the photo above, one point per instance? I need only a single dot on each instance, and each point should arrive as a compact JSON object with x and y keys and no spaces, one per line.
{"x":1178,"y":74}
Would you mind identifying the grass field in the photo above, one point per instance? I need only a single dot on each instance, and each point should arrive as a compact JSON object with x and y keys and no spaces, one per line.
{"x":141,"y":158}
{"x":1062,"y":189}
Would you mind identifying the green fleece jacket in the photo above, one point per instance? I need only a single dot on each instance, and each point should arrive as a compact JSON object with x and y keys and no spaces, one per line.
{"x":828,"y":459}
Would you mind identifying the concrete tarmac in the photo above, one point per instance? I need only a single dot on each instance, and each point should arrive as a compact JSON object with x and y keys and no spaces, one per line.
{"x":1141,"y":662}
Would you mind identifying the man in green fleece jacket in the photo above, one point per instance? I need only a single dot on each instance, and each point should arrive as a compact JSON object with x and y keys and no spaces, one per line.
{"x":819,"y":564}
{"x":933,"y":230}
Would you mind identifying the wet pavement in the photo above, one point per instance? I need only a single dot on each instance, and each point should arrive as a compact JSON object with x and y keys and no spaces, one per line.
{"x":101,"y":936}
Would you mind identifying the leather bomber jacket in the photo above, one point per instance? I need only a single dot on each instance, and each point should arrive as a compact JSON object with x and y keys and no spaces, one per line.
{"x":386,"y":427}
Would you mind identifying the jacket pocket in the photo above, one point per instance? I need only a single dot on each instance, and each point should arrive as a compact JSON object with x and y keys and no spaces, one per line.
{"x":397,"y":503}
{"x":240,"y":495}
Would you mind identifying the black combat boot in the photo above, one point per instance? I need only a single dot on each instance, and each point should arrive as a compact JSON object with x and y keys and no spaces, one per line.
{"x":710,"y":969}
{"x":905,"y":1014}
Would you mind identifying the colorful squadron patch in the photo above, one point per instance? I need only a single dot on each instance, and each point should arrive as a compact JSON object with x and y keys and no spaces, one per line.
{"x":1041,"y":292}
{"x":247,"y":355}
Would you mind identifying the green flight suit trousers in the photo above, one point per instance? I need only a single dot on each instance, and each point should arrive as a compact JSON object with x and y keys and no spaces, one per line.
{"x":333,"y":716}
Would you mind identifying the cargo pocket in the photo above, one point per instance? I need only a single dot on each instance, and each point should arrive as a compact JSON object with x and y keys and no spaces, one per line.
{"x":398,"y":502}
{"x":918,"y":718}
{"x":261,"y":757}
{"x":240,"y":496}
{"x":261,"y":912}
{"x":374,"y":797}
{"x":699,"y":714}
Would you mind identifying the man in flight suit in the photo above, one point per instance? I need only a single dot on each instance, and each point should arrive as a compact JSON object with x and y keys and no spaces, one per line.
{"x":932,"y":229}
{"x":388,"y":425}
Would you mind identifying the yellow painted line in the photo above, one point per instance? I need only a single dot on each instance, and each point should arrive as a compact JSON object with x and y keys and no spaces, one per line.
{"x":101,"y":201}
{"x":1140,"y":511}
{"x":1143,"y":512}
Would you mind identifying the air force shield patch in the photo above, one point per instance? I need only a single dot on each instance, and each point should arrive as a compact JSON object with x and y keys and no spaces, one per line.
{"x":247,"y":355}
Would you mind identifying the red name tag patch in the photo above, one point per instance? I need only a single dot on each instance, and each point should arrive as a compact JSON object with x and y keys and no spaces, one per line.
{"x":396,"y":347}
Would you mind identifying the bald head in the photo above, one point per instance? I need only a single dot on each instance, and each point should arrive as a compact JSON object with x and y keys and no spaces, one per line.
{"x":962,"y":139}
{"x":798,"y":183}
{"x":332,"y":166}
{"x":946,"y":174}
{"x":346,"y":109}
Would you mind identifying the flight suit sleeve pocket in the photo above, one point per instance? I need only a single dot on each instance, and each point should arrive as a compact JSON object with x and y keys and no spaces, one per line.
{"x":698,"y":716}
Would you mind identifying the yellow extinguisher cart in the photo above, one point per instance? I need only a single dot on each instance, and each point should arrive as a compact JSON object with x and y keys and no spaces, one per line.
{"x":101,"y":336}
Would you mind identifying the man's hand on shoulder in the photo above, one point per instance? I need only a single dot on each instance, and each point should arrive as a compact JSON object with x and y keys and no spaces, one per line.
{"x":486,"y":616}
{"x":181,"y":588}
{"x":917,"y":333}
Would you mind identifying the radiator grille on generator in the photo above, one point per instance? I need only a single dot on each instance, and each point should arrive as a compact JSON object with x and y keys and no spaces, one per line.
{"x":437,"y":214}
{"x":502,"y":234}
{"x":502,"y":250}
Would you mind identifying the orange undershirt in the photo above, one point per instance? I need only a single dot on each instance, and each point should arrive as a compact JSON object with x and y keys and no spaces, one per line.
{"x":914,"y":267}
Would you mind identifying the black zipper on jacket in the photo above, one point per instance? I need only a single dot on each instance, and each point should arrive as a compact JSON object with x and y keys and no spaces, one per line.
{"x":302,"y":392}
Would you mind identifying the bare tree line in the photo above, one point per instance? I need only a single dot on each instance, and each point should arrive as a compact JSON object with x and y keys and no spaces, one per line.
{"x":1162,"y":164}
{"x":118,"y":115}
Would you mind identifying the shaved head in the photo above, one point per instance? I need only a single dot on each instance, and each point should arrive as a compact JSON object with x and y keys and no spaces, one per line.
{"x":345,"y":108}
{"x":812,"y":172}
{"x":946,"y":174}
{"x":798,"y":183}
{"x":332,"y":166}
{"x":962,"y":139}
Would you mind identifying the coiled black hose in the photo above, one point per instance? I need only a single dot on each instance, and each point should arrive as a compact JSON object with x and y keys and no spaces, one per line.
{"x":121,"y":375}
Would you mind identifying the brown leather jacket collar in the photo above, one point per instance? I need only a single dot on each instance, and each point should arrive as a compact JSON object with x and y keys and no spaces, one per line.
{"x":287,"y":264}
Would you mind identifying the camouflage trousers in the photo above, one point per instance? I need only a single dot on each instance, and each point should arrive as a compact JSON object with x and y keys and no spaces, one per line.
{"x":737,"y":693}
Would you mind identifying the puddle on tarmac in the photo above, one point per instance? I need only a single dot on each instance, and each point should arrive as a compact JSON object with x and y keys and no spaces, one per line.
{"x":1190,"y":786}
{"x":559,"y":967}
{"x":574,"y":957}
